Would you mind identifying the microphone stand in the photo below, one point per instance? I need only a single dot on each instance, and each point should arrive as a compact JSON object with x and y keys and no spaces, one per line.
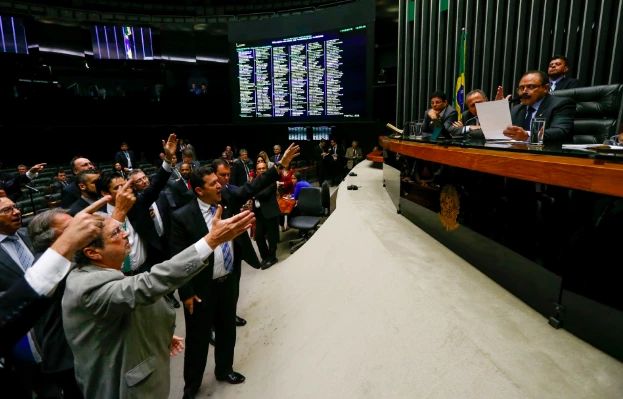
{"x":32,"y":201}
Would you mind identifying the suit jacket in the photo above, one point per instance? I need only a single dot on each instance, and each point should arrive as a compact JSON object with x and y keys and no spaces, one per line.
{"x":317,"y":153}
{"x":20,"y":309}
{"x":12,"y":187}
{"x":70,"y":194}
{"x":567,"y":83}
{"x":558,"y":113}
{"x":139,"y":216}
{"x":468,"y":119}
{"x":10,"y":271}
{"x":81,"y":204}
{"x":123,"y":160}
{"x":188,"y":225}
{"x":239,"y":175}
{"x":180,"y":192}
{"x":448,"y":117}
{"x":57,"y":186}
{"x":268,"y":202}
{"x":353,"y":152}
{"x":120,"y":328}
{"x":272,"y":159}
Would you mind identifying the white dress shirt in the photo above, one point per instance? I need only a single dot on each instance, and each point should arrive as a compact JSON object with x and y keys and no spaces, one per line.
{"x":158,"y":220}
{"x":219,"y":262}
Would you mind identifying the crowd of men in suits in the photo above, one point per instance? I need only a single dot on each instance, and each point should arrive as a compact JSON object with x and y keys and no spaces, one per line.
{"x":102,"y":325}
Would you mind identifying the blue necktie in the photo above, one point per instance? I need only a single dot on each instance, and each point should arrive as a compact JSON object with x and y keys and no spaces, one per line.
{"x":228,"y":257}
{"x":23,"y":254}
{"x":528,"y":119}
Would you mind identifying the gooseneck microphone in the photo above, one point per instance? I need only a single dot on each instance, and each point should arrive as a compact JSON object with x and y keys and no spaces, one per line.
{"x":515,"y":99}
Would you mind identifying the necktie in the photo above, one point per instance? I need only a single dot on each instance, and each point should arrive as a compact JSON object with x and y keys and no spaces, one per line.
{"x":277,"y":158}
{"x":188,"y":185}
{"x":246,"y":169}
{"x":23,"y":254}
{"x":127,"y":263}
{"x":528,"y":119}
{"x":552,"y":87}
{"x":228,"y":257}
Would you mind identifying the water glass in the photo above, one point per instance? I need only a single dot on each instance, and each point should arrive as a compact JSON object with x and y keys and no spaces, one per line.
{"x":536,"y":131}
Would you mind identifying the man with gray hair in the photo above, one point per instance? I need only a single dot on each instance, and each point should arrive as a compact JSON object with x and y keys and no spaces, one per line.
{"x":241,"y":169}
{"x":469,"y":120}
{"x":353,"y":155}
{"x":120,"y":328}
{"x":277,"y":157}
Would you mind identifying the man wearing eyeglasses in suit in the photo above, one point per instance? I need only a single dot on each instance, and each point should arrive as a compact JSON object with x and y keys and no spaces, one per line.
{"x":536,"y":102}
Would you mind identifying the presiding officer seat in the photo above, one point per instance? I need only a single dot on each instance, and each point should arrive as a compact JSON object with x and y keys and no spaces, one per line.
{"x":598,"y":112}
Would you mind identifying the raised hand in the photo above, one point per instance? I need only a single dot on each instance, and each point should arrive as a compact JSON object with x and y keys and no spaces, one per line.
{"x":83,"y":229}
{"x":37,"y":168}
{"x":291,"y":153}
{"x":228,"y":229}
{"x":124,"y":201}
{"x":170,"y":146}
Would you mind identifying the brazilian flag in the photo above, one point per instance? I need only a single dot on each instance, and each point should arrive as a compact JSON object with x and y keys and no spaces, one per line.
{"x":459,"y":91}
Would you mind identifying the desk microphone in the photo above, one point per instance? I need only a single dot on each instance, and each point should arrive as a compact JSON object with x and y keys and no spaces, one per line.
{"x":31,"y":188}
{"x":515,"y":99}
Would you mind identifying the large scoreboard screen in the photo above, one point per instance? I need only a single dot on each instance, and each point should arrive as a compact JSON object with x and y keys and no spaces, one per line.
{"x":315,"y":77}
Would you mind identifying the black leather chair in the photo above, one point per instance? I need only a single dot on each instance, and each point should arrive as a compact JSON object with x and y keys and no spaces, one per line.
{"x":598,"y":112}
{"x":310,"y":208}
{"x":326,"y":198}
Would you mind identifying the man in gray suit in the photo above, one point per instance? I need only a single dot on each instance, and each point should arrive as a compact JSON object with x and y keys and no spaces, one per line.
{"x":120,"y":328}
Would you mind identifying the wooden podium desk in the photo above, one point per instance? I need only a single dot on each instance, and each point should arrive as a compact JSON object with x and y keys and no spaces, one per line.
{"x":546,"y":223}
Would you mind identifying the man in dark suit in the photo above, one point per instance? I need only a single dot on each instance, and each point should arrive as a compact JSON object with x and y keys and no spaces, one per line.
{"x":336,"y":156}
{"x":16,"y":257}
{"x":241,"y":168}
{"x":60,"y":182}
{"x":126,"y":158}
{"x":180,"y":188}
{"x":558,"y":67}
{"x":536,"y":102}
{"x":160,"y":212}
{"x":267,"y":213}
{"x":440,"y":114}
{"x":71,"y":193}
{"x":11,"y":187}
{"x":277,"y":157}
{"x":469,"y":122}
{"x":147,"y":246}
{"x":86,"y":181}
{"x":211,"y":297}
{"x":321,"y":159}
{"x":27,"y":299}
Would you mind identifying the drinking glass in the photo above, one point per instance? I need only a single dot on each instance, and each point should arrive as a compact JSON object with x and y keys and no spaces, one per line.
{"x":536,"y":131}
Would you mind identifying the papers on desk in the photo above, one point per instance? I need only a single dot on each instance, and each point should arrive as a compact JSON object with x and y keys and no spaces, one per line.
{"x":592,"y":147}
{"x":494,"y":117}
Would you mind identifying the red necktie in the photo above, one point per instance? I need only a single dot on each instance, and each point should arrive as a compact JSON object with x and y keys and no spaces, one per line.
{"x":188,"y":184}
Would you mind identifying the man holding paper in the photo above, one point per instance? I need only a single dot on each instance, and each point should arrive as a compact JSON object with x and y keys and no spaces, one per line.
{"x":536,"y":102}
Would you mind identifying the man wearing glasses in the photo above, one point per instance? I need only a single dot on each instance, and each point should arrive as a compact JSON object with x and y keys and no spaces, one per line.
{"x":536,"y":102}
{"x":440,"y":114}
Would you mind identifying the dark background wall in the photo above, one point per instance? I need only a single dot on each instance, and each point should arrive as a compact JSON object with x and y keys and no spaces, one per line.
{"x":44,"y":125}
{"x":505,"y":38}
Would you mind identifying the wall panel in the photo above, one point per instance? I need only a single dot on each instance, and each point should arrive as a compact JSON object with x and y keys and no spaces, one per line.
{"x":504,"y":39}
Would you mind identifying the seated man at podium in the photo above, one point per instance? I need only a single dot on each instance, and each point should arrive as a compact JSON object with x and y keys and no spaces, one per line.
{"x":469,"y":122}
{"x":440,"y":114}
{"x":536,"y":102}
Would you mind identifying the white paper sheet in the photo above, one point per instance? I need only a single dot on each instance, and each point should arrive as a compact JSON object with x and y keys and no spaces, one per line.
{"x":494,"y":117}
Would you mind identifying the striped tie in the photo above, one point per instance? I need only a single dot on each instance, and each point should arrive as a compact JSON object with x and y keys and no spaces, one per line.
{"x":23,"y":254}
{"x":228,"y":257}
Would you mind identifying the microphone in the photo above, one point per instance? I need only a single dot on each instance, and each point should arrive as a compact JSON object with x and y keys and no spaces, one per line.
{"x":31,"y":188}
{"x":515,"y":99}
